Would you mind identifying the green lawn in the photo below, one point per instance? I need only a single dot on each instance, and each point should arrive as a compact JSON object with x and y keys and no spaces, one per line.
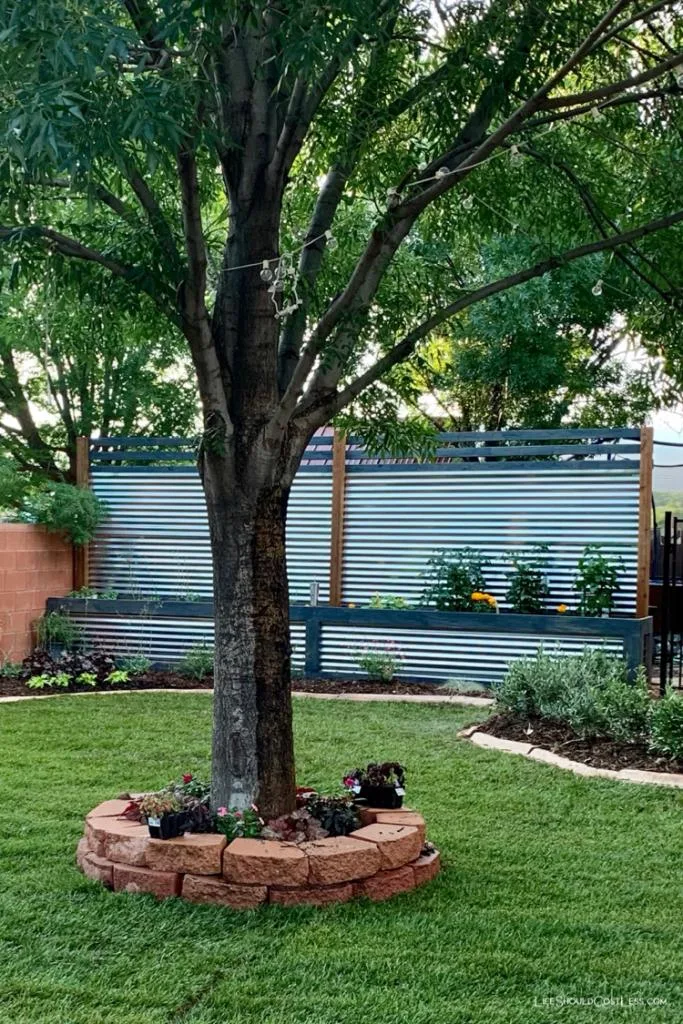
{"x":553,"y":885}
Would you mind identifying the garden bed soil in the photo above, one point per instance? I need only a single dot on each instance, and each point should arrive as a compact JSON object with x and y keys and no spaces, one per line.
{"x":561,"y":739}
{"x":15,"y":686}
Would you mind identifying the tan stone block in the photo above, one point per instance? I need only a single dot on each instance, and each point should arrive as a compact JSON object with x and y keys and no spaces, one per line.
{"x":385,"y":884}
{"x":128,"y":878}
{"x":401,"y":817}
{"x":206,"y":889}
{"x":398,"y":844}
{"x":107,"y":809}
{"x":124,"y":842}
{"x":426,"y":867}
{"x":199,"y":854}
{"x":265,"y":862}
{"x":313,"y":895}
{"x":341,"y":859}
{"x":654,"y":778}
{"x":482,"y":739}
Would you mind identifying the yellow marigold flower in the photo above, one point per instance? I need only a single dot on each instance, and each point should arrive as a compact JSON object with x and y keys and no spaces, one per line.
{"x":562,"y":608}
{"x":490,"y":599}
{"x":476,"y":596}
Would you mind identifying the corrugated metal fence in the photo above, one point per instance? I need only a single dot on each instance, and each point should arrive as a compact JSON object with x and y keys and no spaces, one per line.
{"x":498,"y":492}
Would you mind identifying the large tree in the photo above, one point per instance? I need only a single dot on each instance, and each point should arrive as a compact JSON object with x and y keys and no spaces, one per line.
{"x":215,"y":138}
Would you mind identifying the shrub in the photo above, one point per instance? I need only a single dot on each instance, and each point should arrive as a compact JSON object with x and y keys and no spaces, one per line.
{"x":197,"y":662}
{"x":155,"y":805}
{"x":666,"y":725}
{"x":136,"y":664}
{"x":380,"y":663}
{"x":87,"y":679}
{"x":597,"y":581}
{"x":392,"y":601}
{"x":57,"y":628}
{"x":233,"y":824}
{"x":117,"y":677}
{"x":10,"y":669}
{"x":452,"y":577}
{"x":528,"y":586}
{"x":338,"y":815}
{"x":590,"y":692}
{"x":75,"y":511}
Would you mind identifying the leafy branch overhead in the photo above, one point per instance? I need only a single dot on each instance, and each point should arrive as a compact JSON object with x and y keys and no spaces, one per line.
{"x":141,"y":138}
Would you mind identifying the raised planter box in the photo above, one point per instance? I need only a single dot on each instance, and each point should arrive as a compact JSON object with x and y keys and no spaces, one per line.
{"x":379,"y":860}
{"x":436,"y":646}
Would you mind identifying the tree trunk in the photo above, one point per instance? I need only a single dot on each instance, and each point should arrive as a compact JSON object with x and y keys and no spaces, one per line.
{"x":253,"y":750}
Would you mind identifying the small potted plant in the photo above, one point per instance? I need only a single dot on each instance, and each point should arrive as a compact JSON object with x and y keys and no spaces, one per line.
{"x":165,"y":816}
{"x":378,"y":785}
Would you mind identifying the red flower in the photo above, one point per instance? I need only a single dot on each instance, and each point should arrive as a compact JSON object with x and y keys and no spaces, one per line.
{"x":187,"y":777}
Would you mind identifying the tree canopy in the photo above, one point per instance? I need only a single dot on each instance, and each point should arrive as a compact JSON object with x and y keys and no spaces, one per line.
{"x":305,"y":190}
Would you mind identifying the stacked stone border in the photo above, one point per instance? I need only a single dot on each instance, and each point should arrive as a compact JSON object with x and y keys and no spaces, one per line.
{"x":484,"y":739}
{"x":382,"y":858}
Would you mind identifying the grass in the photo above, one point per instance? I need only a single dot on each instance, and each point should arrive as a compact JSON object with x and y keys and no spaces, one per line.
{"x":554,"y":886}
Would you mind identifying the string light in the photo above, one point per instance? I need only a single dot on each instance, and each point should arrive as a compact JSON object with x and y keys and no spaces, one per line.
{"x":597,"y":288}
{"x":597,"y":114}
{"x":393,"y":198}
{"x":266,"y":273}
{"x":515,"y":156}
{"x":678,"y":72}
{"x":330,"y":240}
{"x":468,"y":202}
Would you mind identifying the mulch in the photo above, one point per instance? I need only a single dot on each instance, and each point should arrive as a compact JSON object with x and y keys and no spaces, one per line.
{"x":561,"y":739}
{"x":169,"y":680}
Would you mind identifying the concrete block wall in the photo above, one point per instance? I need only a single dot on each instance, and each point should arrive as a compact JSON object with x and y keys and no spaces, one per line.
{"x":34,"y":565}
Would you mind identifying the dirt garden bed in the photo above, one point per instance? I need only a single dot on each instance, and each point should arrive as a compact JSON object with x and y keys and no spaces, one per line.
{"x":158,"y":679}
{"x":559,"y":738}
{"x":384,"y":857}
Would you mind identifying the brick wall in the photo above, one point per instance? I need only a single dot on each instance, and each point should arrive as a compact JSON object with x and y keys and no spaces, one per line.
{"x":34,"y":565}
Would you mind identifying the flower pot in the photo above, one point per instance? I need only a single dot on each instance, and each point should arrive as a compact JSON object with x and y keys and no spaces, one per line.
{"x":381,"y":796}
{"x":168,"y":826}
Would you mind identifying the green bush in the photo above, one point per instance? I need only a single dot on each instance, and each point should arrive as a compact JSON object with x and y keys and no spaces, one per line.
{"x":666,"y":725}
{"x":74,"y":511}
{"x":527,"y":583}
{"x":590,"y":692}
{"x":57,"y":628}
{"x":197,"y":662}
{"x":391,"y":601}
{"x":597,"y":581}
{"x":452,"y":577}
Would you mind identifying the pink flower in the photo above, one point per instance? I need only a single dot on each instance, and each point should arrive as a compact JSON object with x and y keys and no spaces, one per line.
{"x":222,"y":811}
{"x":238,"y":814}
{"x":349,"y":782}
{"x":187,"y":777}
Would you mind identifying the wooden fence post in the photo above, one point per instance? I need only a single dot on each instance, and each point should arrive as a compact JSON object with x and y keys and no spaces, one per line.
{"x":337,"y":531}
{"x":644,"y":522}
{"x":81,"y":553}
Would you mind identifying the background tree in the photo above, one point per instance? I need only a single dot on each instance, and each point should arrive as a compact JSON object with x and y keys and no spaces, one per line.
{"x":213,"y":138}
{"x":78,"y":358}
{"x":550,"y":353}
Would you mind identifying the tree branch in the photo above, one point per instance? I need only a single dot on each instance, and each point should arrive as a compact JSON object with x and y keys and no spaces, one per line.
{"x":604,"y":92}
{"x":70,"y":247}
{"x":324,"y":410}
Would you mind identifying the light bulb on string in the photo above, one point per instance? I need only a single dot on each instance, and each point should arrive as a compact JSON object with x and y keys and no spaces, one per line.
{"x":678,"y":73}
{"x":266,"y":273}
{"x":597,"y":288}
{"x":515,"y":156}
{"x":393,"y":198}
{"x":468,"y":202}
{"x":597,"y":114}
{"x":442,"y":172}
{"x":330,"y":240}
